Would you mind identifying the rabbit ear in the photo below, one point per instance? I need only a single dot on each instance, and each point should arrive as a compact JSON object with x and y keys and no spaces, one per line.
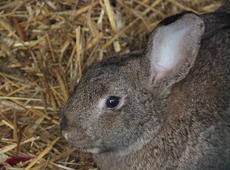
{"x":215,"y":22}
{"x":173,"y":47}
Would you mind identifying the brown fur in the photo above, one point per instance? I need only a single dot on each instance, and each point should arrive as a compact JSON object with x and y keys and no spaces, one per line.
{"x":186,"y":125}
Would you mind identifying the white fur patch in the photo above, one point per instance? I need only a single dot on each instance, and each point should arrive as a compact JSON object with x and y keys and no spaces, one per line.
{"x":66,"y":135}
{"x":93,"y":150}
{"x":101,"y":103}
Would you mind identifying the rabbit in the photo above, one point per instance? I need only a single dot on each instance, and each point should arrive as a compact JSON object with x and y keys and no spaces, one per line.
{"x":166,"y":107}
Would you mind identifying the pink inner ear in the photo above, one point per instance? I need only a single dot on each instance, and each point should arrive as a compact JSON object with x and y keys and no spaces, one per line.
{"x":167,"y":48}
{"x":173,"y":44}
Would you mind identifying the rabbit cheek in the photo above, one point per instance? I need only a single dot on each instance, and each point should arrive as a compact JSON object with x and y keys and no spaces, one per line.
{"x":82,"y":141}
{"x":107,"y":120}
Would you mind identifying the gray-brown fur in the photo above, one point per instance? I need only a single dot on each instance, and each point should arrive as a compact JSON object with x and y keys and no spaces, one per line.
{"x":166,"y":124}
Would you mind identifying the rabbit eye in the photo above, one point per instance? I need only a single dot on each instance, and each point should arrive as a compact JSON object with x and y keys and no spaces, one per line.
{"x":112,"y":101}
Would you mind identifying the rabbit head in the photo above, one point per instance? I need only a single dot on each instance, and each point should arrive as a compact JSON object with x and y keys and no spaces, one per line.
{"x":121,"y":103}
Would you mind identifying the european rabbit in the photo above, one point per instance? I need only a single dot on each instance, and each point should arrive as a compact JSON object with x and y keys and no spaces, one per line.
{"x":166,"y":108}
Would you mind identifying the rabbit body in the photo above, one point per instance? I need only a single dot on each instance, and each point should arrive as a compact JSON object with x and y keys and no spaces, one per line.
{"x":196,"y":132}
{"x":175,"y":116}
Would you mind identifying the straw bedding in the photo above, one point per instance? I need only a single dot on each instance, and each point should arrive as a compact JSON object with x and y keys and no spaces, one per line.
{"x":45,"y":47}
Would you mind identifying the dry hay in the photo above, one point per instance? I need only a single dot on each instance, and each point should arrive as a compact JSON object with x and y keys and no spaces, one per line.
{"x":45,"y":46}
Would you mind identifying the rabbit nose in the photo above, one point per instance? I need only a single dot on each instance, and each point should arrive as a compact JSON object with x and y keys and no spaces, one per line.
{"x":63,"y":123}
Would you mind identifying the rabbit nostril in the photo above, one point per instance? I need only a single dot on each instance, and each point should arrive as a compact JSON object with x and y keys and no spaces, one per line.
{"x":63,"y":123}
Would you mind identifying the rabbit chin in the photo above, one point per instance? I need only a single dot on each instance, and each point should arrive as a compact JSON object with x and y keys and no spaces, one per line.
{"x":92,"y":150}
{"x":98,"y":150}
{"x":121,"y":150}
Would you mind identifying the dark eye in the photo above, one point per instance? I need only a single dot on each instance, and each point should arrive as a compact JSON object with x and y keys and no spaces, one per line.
{"x":112,"y":101}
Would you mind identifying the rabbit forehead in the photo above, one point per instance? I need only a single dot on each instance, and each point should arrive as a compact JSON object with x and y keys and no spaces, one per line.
{"x":105,"y":79}
{"x":115,"y":68}
{"x":98,"y":75}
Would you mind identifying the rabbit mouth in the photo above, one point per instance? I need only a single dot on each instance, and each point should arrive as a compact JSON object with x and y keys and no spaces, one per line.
{"x":85,"y":146}
{"x":88,"y":149}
